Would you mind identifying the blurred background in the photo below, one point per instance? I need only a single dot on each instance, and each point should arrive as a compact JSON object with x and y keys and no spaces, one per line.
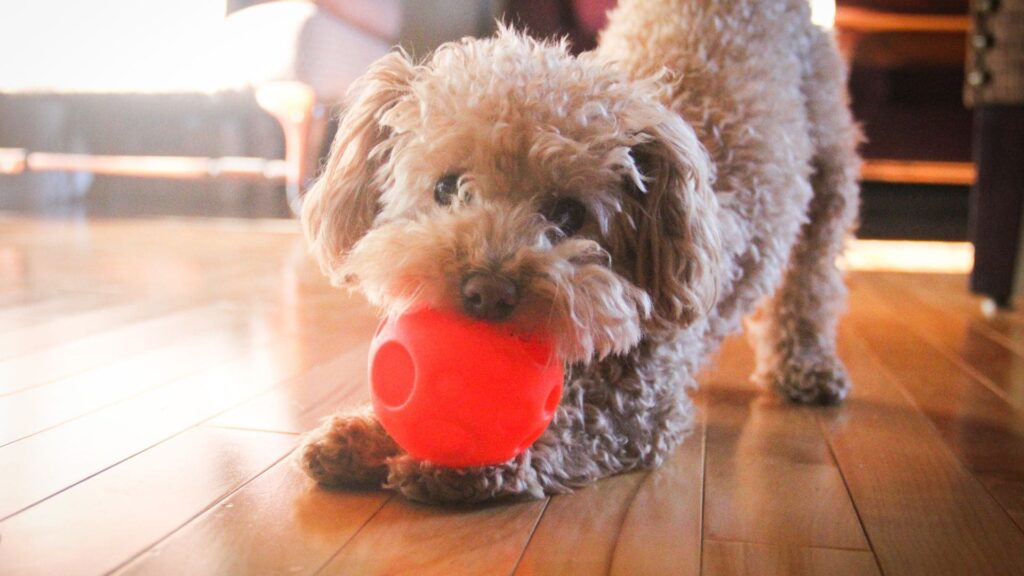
{"x":230,"y":101}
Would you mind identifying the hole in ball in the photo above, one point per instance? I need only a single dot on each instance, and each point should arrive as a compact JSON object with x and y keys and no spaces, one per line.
{"x":393,"y":374}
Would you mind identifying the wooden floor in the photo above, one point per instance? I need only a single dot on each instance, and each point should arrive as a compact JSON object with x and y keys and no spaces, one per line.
{"x":154,"y":377}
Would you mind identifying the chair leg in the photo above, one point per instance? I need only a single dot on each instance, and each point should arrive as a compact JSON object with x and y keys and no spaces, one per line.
{"x":294,"y":106}
{"x":996,"y":200}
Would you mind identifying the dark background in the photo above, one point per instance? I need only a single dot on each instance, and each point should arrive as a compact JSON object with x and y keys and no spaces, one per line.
{"x":905,"y":88}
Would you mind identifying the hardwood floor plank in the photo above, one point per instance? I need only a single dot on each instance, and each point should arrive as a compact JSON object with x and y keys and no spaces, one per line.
{"x":298,"y":405}
{"x":746,"y":559}
{"x":46,"y":463}
{"x":280,"y":523}
{"x":56,"y":306}
{"x":982,"y":428}
{"x":923,"y":512}
{"x":408,"y":538}
{"x":145,"y":359}
{"x":71,"y":327}
{"x":298,"y":409}
{"x":1009,"y":494}
{"x":578,"y":532}
{"x":661,"y":533}
{"x":168,"y":272}
{"x":96,"y":525}
{"x":954,"y":321}
{"x":48,"y":405}
{"x":769,"y":474}
{"x":950,"y":317}
{"x":23,"y":372}
{"x":954,"y":288}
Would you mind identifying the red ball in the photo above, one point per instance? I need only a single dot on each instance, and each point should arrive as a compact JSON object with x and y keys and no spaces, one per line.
{"x":460,"y":392}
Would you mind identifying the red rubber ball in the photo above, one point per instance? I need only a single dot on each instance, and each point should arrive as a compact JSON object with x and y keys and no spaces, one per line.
{"x":460,"y":392}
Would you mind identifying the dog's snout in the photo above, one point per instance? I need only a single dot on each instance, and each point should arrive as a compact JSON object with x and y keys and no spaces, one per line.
{"x":489,"y":297}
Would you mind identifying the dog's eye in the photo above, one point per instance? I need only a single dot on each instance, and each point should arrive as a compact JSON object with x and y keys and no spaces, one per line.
{"x":568,"y":214}
{"x":446,"y":189}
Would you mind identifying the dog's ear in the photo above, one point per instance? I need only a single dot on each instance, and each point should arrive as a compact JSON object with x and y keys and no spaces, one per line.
{"x":341,"y":206}
{"x":670,"y":219}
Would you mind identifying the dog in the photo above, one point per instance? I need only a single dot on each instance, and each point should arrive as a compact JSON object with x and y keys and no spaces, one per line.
{"x":636,"y":202}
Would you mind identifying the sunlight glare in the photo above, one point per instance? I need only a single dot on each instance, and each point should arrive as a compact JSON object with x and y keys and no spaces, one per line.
{"x":823,"y":13}
{"x":108,"y":45}
{"x":908,"y":256}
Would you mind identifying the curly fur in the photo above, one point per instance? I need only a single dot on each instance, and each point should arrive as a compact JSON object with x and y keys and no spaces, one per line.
{"x":712,"y":146}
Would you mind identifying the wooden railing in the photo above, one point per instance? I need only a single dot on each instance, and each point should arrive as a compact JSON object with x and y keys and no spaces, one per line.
{"x":16,"y":161}
{"x":865,"y":20}
{"x":918,"y":172}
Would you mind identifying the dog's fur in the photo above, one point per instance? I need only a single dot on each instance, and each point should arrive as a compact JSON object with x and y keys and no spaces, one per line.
{"x":712,"y":145}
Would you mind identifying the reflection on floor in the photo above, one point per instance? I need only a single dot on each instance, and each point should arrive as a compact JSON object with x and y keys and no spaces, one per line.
{"x":154,"y":376}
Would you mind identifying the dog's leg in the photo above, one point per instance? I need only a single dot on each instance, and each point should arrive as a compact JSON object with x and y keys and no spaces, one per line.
{"x":620,"y":415}
{"x":348,"y":449}
{"x":794,"y":335}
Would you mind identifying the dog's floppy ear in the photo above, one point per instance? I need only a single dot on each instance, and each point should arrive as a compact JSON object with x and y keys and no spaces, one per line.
{"x":341,"y":206}
{"x":671,"y":237}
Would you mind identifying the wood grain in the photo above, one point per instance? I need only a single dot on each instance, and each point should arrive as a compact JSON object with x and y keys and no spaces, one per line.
{"x":769,"y":475}
{"x":950,"y":290}
{"x":48,"y":405}
{"x":280,"y":523}
{"x":745,"y":559}
{"x":23,"y":372}
{"x":923,"y":512}
{"x":34,"y":312}
{"x":144,"y":361}
{"x":661,"y":533}
{"x":991,"y":345}
{"x":70,"y":327}
{"x":959,"y":329}
{"x":44,"y":463}
{"x":578,"y":532}
{"x":94,"y":526}
{"x":438,"y":540}
{"x":299,"y":408}
{"x":1010,"y":495}
{"x":981,"y":427}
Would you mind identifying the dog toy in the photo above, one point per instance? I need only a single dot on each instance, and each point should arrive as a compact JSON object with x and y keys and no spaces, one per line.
{"x":460,"y":392}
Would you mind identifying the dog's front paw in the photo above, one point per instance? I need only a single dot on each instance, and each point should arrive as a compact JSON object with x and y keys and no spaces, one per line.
{"x":426,"y":482}
{"x":812,"y":381}
{"x":348,"y":450}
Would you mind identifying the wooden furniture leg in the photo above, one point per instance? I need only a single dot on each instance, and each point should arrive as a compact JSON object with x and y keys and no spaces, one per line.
{"x":294,"y":106}
{"x":997,"y":199}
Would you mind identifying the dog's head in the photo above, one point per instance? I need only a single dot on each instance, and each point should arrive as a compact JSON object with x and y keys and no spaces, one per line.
{"x":510,"y":180}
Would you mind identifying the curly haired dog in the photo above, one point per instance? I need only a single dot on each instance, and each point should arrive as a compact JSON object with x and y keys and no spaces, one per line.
{"x":636,"y":202}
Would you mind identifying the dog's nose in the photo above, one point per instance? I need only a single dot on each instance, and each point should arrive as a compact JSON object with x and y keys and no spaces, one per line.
{"x":489,"y":297}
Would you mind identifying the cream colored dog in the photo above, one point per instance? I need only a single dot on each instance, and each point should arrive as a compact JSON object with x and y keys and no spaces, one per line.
{"x":635,"y":202}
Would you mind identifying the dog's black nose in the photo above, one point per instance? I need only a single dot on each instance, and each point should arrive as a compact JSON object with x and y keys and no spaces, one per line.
{"x":489,"y":297}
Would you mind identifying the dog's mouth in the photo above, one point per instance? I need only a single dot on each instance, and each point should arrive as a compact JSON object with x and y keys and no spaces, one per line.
{"x":587,"y":316}
{"x":499,"y":267}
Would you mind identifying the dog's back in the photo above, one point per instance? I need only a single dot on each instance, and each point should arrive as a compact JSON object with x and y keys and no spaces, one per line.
{"x":764,"y":89}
